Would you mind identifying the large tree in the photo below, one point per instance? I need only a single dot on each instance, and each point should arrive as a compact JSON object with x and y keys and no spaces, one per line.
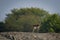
{"x":23,"y":19}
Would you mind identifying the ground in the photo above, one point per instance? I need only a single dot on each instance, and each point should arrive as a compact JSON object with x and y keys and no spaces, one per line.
{"x":29,"y":36}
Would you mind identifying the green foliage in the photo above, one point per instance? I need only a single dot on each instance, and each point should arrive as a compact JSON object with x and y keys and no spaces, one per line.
{"x":52,"y":24}
{"x":23,"y":20}
{"x":2,"y":27}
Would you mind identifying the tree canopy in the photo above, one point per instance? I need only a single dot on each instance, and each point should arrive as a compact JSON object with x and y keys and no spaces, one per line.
{"x":23,"y":19}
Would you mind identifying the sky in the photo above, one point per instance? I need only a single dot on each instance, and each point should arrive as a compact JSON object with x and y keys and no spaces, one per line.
{"x":52,"y":6}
